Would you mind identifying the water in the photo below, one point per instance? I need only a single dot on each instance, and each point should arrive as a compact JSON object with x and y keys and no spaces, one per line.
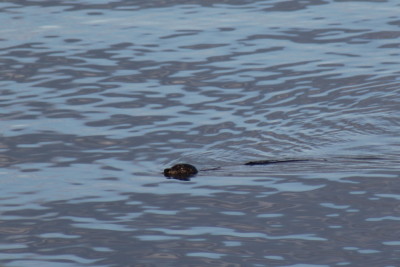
{"x":97,"y":98}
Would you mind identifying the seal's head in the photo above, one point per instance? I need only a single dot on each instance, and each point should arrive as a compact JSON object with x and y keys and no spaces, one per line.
{"x":180,"y":171}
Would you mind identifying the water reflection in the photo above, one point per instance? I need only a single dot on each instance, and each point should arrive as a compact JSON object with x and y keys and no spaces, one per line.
{"x":235,"y":226}
{"x":97,"y":99}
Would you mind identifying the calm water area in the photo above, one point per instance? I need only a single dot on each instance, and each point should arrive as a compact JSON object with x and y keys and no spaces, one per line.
{"x":98,"y":97}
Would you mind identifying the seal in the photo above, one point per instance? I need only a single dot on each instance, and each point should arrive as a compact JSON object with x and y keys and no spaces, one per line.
{"x":181,"y":171}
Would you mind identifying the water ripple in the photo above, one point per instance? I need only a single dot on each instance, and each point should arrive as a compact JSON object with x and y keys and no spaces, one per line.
{"x":97,"y":98}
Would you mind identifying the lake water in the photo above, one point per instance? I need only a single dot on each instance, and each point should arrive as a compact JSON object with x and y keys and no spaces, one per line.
{"x":98,"y":97}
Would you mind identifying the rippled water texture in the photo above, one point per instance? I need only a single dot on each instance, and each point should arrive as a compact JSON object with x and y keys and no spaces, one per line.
{"x":98,"y":97}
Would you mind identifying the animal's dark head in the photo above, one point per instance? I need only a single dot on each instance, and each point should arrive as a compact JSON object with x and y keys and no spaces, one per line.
{"x":182,"y":171}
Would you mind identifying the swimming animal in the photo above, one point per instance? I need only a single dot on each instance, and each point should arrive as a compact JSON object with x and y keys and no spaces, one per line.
{"x":181,"y":171}
{"x":184,"y":171}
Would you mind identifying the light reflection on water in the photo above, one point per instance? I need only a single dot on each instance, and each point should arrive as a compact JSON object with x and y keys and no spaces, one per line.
{"x":98,"y":99}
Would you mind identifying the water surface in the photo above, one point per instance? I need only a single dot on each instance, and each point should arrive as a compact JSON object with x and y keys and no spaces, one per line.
{"x":98,"y":98}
